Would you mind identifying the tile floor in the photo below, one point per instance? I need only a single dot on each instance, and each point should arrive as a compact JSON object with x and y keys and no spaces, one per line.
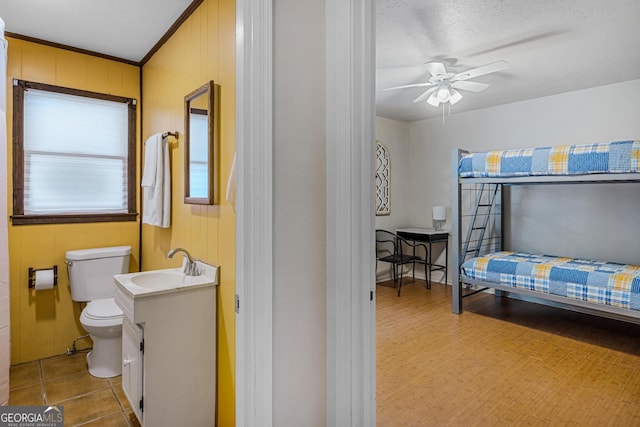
{"x":64,"y":380}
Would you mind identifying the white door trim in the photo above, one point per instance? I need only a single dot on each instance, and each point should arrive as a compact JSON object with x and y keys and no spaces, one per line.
{"x":350,"y":358}
{"x":254,"y":213}
{"x":350,"y":211}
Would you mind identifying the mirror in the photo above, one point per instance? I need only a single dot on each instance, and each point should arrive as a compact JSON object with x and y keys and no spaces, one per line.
{"x":200,"y":185}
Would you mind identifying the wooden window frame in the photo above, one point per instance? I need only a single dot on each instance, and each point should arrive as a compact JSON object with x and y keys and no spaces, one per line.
{"x":18,"y":217}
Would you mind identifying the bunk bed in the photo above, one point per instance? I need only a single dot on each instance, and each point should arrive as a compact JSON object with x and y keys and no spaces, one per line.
{"x":596,"y":287}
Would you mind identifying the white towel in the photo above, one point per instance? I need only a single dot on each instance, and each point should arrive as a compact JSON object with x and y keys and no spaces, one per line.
{"x":151,"y":147}
{"x":231,"y":185}
{"x":156,"y":183}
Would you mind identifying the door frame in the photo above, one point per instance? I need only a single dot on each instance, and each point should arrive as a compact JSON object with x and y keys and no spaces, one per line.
{"x":254,"y":213}
{"x":350,"y":275}
{"x":350,"y":210}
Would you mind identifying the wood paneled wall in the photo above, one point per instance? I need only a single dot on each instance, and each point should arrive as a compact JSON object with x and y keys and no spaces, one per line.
{"x":45,"y":323}
{"x":202,"y":49}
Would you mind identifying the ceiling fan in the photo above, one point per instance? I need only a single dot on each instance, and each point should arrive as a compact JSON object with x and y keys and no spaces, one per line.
{"x":444,"y":84}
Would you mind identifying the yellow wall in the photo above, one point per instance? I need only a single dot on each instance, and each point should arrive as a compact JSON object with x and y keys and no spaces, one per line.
{"x":202,"y":49}
{"x":45,"y":323}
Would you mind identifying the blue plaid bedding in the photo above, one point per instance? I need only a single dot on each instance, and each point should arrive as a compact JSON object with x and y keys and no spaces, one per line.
{"x":610,"y":157}
{"x":593,"y":281}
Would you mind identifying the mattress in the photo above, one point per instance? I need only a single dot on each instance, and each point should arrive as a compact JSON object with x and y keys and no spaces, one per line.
{"x":610,"y":157}
{"x":597,"y":282}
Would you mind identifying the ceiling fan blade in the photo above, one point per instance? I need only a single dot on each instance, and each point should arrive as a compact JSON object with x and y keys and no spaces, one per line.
{"x":411,"y":85}
{"x":470,"y":86}
{"x":455,"y":96}
{"x":433,"y":99}
{"x":481,"y":71}
{"x":525,"y":38}
{"x":425,"y":94}
{"x":436,"y":68}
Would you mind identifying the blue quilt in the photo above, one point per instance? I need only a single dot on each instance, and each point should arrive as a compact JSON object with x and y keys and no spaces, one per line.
{"x":610,"y":157}
{"x":593,"y":281}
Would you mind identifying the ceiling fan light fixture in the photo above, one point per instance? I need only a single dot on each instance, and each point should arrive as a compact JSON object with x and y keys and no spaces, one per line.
{"x":443,"y":84}
{"x":433,"y":100}
{"x":455,"y":96}
{"x":443,"y":94}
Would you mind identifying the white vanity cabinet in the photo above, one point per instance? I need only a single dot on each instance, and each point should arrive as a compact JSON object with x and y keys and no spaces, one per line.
{"x":169,"y":349}
{"x":132,"y":369}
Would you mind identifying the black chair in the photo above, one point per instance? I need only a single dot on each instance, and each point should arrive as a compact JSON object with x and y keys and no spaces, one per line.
{"x":398,"y":251}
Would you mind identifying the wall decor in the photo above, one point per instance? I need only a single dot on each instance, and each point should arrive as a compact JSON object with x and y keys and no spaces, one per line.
{"x":383,"y":180}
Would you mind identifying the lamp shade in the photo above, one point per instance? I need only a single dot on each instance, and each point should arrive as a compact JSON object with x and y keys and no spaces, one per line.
{"x":439,"y":213}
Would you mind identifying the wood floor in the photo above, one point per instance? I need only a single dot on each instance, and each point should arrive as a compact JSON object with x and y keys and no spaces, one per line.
{"x":502,"y":362}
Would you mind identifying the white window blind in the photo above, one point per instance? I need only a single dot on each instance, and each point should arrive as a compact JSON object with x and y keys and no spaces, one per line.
{"x":75,"y":154}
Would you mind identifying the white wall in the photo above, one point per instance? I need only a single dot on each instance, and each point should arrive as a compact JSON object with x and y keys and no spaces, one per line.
{"x":579,"y":221}
{"x":5,"y":330}
{"x":394,"y":135}
{"x":299,"y":309}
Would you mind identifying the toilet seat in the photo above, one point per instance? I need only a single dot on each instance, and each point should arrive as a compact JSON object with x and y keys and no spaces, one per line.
{"x":101,"y":313}
{"x":105,"y":308}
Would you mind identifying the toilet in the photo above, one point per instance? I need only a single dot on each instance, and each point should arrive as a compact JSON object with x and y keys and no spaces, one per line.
{"x":91,"y":274}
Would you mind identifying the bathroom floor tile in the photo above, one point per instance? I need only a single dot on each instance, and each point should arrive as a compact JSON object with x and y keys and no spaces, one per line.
{"x":73,"y":385}
{"x":24,"y":374}
{"x":116,"y":383}
{"x":30,"y":395}
{"x":132,"y":419}
{"x":63,"y":365}
{"x":64,"y":380}
{"x":90,"y":407}
{"x":115,"y":420}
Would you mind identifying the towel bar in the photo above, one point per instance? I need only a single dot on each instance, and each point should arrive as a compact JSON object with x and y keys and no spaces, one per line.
{"x":174,"y":134}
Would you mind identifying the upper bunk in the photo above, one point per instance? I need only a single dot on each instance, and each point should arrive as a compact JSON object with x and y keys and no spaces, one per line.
{"x":587,"y":163}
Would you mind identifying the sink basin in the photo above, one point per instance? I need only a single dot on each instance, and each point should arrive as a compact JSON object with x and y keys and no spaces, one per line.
{"x":155,"y":280}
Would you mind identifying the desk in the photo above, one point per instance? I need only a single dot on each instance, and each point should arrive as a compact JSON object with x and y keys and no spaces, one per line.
{"x":430,"y":236}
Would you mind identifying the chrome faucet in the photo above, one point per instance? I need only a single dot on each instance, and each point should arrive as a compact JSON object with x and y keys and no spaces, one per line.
{"x":190,"y":267}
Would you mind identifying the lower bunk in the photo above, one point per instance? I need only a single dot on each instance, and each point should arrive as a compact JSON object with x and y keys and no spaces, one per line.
{"x":601,"y":288}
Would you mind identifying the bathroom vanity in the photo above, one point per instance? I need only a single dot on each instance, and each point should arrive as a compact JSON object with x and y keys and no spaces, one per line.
{"x":169,"y":345}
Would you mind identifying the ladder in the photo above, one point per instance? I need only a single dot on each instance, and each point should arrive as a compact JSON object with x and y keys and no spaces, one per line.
{"x":479,"y":224}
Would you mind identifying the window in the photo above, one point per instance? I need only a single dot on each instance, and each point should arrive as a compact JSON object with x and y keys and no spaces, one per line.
{"x":73,"y":155}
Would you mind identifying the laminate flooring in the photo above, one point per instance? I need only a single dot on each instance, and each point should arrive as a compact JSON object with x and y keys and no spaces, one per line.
{"x":501,"y":362}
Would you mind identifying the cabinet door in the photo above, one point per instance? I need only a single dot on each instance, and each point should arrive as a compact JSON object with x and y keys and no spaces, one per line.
{"x":132,"y":365}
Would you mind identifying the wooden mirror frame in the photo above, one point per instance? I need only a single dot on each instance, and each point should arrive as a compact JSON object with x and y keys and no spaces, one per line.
{"x":208,"y":89}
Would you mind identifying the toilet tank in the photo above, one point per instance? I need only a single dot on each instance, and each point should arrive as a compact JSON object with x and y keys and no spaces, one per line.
{"x":91,"y":271}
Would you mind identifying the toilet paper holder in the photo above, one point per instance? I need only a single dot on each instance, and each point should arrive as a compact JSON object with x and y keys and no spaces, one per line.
{"x":32,"y":275}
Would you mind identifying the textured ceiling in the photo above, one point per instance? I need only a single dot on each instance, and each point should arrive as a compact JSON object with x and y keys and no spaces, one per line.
{"x":552,"y":46}
{"x":125,"y":29}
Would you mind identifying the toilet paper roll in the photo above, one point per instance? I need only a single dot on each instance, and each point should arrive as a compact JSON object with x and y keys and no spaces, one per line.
{"x":44,"y":279}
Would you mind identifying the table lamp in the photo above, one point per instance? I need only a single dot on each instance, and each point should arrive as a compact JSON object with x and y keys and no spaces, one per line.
{"x":439,"y":217}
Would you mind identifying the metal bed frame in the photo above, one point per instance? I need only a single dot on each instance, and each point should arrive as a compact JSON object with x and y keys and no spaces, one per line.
{"x":460,"y":247}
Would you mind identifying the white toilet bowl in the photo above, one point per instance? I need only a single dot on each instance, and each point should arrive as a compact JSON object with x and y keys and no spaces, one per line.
{"x":102,"y":319}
